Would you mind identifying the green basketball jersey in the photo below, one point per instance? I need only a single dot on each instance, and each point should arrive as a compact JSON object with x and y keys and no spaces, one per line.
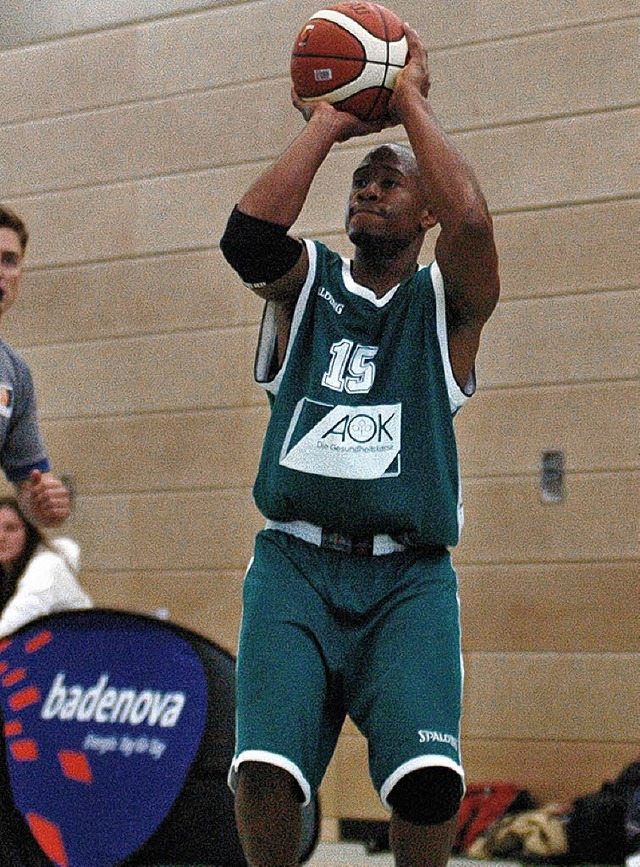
{"x":360,"y":438}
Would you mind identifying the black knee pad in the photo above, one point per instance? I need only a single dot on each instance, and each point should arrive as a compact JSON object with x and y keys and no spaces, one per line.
{"x":428,"y":796}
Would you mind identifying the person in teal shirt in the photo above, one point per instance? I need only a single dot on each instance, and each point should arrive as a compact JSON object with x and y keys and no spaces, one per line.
{"x":350,"y":602}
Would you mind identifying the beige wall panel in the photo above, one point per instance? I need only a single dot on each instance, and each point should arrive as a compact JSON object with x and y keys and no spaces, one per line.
{"x":145,"y":139}
{"x":102,"y":528}
{"x":220,"y":448}
{"x":172,"y":293}
{"x":507,"y":522}
{"x":552,"y":696}
{"x":572,"y":249}
{"x":184,"y":53}
{"x":574,"y":163}
{"x":203,"y":530}
{"x":190,"y":210}
{"x":172,"y":532}
{"x":472,"y":21}
{"x":328,"y":802}
{"x":355,"y":796}
{"x":551,"y":770}
{"x":576,"y":159}
{"x":525,"y":78}
{"x":202,"y":130}
{"x":167,"y":451}
{"x":81,"y":225}
{"x":542,"y":252}
{"x":551,"y":162}
{"x":503,"y":432}
{"x":70,"y":75}
{"x":207,"y":602}
{"x":561,"y":340}
{"x":175,"y":292}
{"x":170,"y":372}
{"x":555,"y":607}
{"x":126,"y":220}
{"x":538,"y":765}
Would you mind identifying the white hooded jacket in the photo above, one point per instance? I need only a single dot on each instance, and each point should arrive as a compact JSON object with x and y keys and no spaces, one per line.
{"x":47,"y":585}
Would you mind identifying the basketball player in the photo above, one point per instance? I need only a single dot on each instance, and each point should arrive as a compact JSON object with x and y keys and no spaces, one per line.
{"x":350,"y":602}
{"x":23,"y":457}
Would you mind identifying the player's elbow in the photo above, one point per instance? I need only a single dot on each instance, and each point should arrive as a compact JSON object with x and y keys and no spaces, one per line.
{"x":475,"y":221}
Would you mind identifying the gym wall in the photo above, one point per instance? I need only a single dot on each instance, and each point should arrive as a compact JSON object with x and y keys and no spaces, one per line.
{"x":125,"y":139}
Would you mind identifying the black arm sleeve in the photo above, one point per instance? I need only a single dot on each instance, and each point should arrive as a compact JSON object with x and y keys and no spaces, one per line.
{"x":259,"y":250}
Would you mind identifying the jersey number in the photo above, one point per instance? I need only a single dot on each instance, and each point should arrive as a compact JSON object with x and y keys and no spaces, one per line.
{"x":352,"y":368}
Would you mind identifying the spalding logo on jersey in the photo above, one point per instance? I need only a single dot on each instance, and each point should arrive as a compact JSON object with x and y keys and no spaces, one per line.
{"x":344,"y":442}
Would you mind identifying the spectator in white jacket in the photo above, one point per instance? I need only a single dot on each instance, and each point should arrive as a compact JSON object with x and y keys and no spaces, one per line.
{"x":37,"y":575}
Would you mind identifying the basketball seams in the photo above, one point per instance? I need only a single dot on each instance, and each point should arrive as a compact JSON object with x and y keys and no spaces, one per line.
{"x":385,"y":30}
{"x":363,"y":45}
{"x":375,"y":48}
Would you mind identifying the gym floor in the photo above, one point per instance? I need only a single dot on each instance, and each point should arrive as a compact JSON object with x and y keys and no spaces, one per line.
{"x":355,"y":855}
{"x":347,"y":855}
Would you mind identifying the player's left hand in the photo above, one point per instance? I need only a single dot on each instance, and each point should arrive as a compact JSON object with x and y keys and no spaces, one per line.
{"x":414,"y":77}
{"x":47,"y":499}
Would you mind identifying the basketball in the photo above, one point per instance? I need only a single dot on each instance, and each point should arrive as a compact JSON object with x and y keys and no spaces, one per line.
{"x":350,"y":54}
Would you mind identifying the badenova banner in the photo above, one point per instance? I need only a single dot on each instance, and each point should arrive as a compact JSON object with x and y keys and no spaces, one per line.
{"x":103,"y":716}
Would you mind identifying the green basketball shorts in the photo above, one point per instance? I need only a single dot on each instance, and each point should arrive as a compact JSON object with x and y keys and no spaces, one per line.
{"x":325,"y":634}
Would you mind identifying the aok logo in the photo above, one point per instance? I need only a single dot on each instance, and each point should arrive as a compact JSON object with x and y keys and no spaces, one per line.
{"x":361,"y":428}
{"x":106,"y":704}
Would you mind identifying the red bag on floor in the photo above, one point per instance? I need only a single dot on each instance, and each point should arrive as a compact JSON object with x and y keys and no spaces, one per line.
{"x":485,"y":803}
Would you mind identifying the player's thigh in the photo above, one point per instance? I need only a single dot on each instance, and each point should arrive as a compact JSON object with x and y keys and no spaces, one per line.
{"x":285,"y":705}
{"x":409,"y":698}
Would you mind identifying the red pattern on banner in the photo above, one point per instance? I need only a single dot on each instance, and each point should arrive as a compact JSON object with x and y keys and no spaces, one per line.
{"x":75,"y":766}
{"x":13,"y":728}
{"x":14,"y":677}
{"x":25,"y":750}
{"x":38,"y":641}
{"x":22,"y":699}
{"x":49,"y":837}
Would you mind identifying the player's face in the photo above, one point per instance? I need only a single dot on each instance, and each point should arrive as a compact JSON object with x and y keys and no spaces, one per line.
{"x":13,"y":536}
{"x":386,"y":201}
{"x":10,"y":267}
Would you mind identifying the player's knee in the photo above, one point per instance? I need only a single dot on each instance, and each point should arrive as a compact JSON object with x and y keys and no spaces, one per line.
{"x":427,"y":796}
{"x":259,"y":780}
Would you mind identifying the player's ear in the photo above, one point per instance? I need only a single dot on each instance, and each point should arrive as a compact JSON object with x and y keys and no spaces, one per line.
{"x":428,"y":219}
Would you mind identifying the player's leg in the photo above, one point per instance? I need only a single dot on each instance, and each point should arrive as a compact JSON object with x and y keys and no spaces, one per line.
{"x":268,"y":815}
{"x":287,"y":726}
{"x":423,"y":828}
{"x":409,"y":707}
{"x":421,"y":845}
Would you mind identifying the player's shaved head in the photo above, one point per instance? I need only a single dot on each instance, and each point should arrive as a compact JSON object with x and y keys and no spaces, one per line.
{"x":400,"y":153}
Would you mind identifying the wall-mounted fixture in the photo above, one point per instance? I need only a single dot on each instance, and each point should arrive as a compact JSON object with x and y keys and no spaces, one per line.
{"x":552,"y":476}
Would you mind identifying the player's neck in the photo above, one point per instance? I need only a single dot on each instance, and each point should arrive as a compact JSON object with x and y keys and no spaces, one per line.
{"x":380,"y":272}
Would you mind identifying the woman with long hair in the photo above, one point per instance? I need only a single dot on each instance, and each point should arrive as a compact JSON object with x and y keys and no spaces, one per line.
{"x":37,"y":575}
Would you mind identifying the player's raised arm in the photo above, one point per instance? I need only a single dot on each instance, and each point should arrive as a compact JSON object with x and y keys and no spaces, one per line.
{"x":465,"y":249}
{"x":257,"y":243}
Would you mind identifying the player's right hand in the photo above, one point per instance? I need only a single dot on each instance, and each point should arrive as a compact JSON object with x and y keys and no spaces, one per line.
{"x":345,"y":125}
{"x":414,"y":77}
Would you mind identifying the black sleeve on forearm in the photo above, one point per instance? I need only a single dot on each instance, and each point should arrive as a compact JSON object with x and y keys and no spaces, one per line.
{"x":259,"y":250}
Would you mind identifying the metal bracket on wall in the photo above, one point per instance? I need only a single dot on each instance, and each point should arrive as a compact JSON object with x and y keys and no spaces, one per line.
{"x":552,"y":476}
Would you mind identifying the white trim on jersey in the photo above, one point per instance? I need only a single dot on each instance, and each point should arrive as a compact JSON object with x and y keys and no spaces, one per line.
{"x":267,"y":345}
{"x":457,"y":397}
{"x":269,"y":759}
{"x":364,"y":291}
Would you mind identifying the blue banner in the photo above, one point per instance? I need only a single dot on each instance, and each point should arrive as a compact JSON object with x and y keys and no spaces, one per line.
{"x":103,"y":717}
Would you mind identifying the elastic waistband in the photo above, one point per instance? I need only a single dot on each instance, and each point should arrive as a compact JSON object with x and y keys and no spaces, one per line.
{"x":366,"y":546}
